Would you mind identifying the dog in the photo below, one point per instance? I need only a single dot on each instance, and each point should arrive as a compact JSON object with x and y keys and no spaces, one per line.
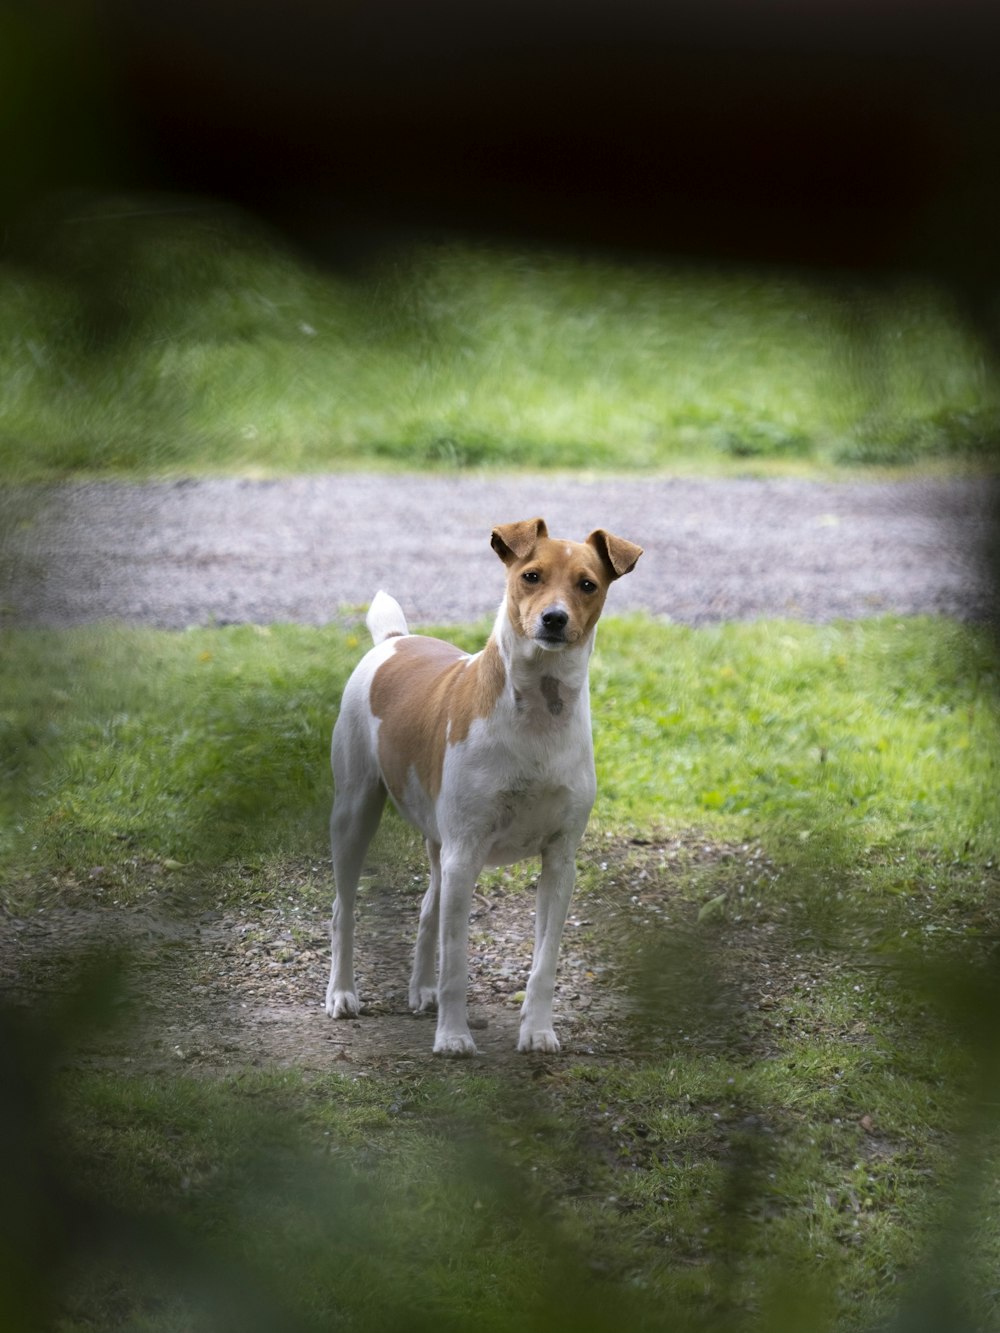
{"x":489,"y":755}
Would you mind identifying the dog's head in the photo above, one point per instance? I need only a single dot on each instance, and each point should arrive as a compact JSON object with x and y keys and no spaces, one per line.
{"x":555,"y":588}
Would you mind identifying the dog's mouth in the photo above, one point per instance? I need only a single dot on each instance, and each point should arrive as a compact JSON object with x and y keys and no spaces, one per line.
{"x":552,"y":638}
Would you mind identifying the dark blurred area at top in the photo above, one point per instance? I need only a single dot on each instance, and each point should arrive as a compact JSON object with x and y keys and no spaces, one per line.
{"x":859,"y":135}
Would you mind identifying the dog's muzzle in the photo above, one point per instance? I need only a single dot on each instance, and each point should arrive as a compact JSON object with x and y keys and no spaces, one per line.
{"x":552,"y":627}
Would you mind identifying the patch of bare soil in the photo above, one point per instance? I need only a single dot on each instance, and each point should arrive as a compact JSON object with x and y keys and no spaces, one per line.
{"x":225,"y":990}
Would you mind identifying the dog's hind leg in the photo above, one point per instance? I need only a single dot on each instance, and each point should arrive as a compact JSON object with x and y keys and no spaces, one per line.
{"x":353,"y":821}
{"x":423,"y":980}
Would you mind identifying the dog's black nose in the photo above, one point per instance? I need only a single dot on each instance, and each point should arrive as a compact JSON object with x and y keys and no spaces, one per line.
{"x":555,"y":619}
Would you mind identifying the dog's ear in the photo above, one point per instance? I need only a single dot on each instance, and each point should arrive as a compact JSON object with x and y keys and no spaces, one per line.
{"x":619,"y":556}
{"x":514,"y":541}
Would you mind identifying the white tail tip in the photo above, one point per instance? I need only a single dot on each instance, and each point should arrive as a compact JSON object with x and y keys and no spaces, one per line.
{"x":385,"y":618}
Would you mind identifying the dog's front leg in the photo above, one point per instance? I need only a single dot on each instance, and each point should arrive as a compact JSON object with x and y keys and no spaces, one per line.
{"x":555,"y":888}
{"x":458,"y":879}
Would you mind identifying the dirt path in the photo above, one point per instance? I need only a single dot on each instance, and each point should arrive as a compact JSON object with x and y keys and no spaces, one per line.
{"x":217,"y":990}
{"x":306,"y":548}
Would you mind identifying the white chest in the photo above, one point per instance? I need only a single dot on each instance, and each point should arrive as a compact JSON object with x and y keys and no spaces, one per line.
{"x":524,"y":821}
{"x":512,"y":791}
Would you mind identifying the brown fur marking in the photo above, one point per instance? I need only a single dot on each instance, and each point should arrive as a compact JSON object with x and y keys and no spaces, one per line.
{"x":427,"y":695}
{"x":550,"y":693}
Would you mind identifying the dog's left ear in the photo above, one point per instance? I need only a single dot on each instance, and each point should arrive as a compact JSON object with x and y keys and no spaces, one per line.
{"x":514,"y":541}
{"x":619,"y":556}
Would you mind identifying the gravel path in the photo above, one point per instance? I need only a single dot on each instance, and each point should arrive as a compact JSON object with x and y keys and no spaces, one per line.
{"x":309,"y":549}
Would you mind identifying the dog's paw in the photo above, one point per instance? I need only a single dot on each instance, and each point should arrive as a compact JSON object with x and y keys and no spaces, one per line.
{"x":457,"y":1045}
{"x":543,"y":1039}
{"x":342,"y":1004}
{"x":423,"y":999}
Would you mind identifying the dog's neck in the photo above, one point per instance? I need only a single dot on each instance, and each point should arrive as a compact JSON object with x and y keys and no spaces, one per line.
{"x":559,"y":675}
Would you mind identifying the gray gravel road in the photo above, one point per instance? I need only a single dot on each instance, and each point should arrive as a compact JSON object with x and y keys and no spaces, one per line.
{"x":309,"y":549}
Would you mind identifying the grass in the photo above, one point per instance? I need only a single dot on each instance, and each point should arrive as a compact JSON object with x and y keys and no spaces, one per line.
{"x":825,"y":1160}
{"x":690,"y":1193}
{"x":169,"y":746}
{"x":150,"y":341}
{"x":188,"y":746}
{"x":800,"y":1130}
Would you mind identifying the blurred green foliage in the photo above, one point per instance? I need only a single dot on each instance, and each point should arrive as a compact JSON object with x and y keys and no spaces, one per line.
{"x":836,"y":1170}
{"x":153,"y":335}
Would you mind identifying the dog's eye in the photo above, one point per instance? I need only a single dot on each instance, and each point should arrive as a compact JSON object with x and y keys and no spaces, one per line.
{"x":588,"y":585}
{"x":531,"y":576}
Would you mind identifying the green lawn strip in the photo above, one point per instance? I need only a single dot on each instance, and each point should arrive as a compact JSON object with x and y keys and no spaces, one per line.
{"x":166,"y":345}
{"x":132,"y":747}
{"x":872,"y":740}
{"x":869,"y":726}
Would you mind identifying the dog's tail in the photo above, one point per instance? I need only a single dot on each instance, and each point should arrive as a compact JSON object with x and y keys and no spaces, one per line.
{"x":385,"y":618}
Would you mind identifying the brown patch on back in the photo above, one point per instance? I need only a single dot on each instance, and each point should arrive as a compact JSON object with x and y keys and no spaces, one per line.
{"x":427,"y":695}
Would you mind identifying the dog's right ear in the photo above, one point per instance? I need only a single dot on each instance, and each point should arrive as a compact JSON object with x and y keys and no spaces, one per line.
{"x":514,"y":541}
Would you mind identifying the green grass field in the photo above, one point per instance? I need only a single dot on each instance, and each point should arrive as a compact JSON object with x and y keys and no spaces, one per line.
{"x":830,"y":1165}
{"x":822,"y":1156}
{"x":187,"y":746}
{"x":152,"y":341}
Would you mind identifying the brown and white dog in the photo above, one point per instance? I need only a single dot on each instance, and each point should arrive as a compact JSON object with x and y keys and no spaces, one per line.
{"x":489,"y":755}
